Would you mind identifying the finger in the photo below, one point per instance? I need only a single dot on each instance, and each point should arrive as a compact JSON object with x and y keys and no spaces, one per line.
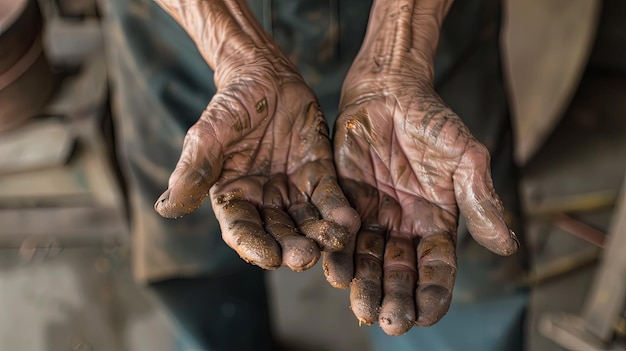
{"x":436,"y":257}
{"x":479,"y":203}
{"x":197,"y":170}
{"x":338,"y":266}
{"x":366,"y":287}
{"x":397,"y":312}
{"x":298,"y":252}
{"x":242,"y":229}
{"x":333,"y":205}
{"x":330,"y":236}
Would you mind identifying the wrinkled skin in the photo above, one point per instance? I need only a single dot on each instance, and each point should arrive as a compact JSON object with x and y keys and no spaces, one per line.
{"x":260,"y":150}
{"x":406,"y":162}
{"x":408,"y":165}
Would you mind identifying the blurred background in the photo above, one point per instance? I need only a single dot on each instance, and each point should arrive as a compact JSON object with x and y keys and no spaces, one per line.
{"x":65,"y":278}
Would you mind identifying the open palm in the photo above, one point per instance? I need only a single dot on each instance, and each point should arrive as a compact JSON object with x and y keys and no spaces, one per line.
{"x":408,"y":164}
{"x":261,"y":151}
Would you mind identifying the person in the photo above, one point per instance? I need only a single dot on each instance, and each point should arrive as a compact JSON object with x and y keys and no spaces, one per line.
{"x":261,"y":153}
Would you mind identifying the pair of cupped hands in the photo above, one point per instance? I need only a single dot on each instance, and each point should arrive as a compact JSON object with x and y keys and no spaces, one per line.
{"x":380,"y":202}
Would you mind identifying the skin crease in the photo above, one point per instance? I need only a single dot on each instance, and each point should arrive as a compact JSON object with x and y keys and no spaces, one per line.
{"x":408,"y":164}
{"x":261,"y":149}
{"x":405,"y":161}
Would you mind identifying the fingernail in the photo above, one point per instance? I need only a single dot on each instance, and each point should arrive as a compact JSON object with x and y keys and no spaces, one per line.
{"x":514,"y":237}
{"x":162,"y":199}
{"x":162,"y":205}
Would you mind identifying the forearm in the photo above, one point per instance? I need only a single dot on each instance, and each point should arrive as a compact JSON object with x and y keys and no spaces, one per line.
{"x":402,"y":36}
{"x":226,"y":33}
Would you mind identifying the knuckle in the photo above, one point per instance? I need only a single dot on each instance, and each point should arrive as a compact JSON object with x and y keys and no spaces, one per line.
{"x":200,"y":133}
{"x":192,"y":136}
{"x":482,"y":150}
{"x":478,"y":153}
{"x":195,"y":133}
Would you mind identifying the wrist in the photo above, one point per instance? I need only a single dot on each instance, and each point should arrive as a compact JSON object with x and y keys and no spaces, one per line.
{"x":228,"y":36}
{"x":402,"y":37}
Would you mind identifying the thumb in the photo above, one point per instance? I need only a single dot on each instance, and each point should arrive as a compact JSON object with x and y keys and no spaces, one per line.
{"x":479,"y":203}
{"x":198,"y":168}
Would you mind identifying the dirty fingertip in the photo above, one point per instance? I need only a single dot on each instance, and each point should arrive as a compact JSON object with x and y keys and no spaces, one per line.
{"x":397,"y":313}
{"x":433,"y":302}
{"x":164,"y":207}
{"x":365,"y":297}
{"x":161,"y":202}
{"x":254,"y":247}
{"x":338,"y":269}
{"x":395,"y":323}
{"x":169,"y":206}
{"x":299,"y":253}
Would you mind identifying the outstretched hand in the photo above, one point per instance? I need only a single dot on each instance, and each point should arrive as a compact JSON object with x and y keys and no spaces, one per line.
{"x":262,"y":153}
{"x":408,"y":164}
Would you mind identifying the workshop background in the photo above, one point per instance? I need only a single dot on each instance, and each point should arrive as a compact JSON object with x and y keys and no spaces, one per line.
{"x":65,"y":282}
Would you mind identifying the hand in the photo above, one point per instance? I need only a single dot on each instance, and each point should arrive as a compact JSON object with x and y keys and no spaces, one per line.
{"x":408,"y":164}
{"x":260,"y":150}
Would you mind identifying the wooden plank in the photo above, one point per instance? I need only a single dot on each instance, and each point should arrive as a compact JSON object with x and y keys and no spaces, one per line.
{"x":605,"y":302}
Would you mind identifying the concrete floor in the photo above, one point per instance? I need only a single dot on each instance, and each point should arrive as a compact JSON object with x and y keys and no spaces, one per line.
{"x":85,"y":299}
